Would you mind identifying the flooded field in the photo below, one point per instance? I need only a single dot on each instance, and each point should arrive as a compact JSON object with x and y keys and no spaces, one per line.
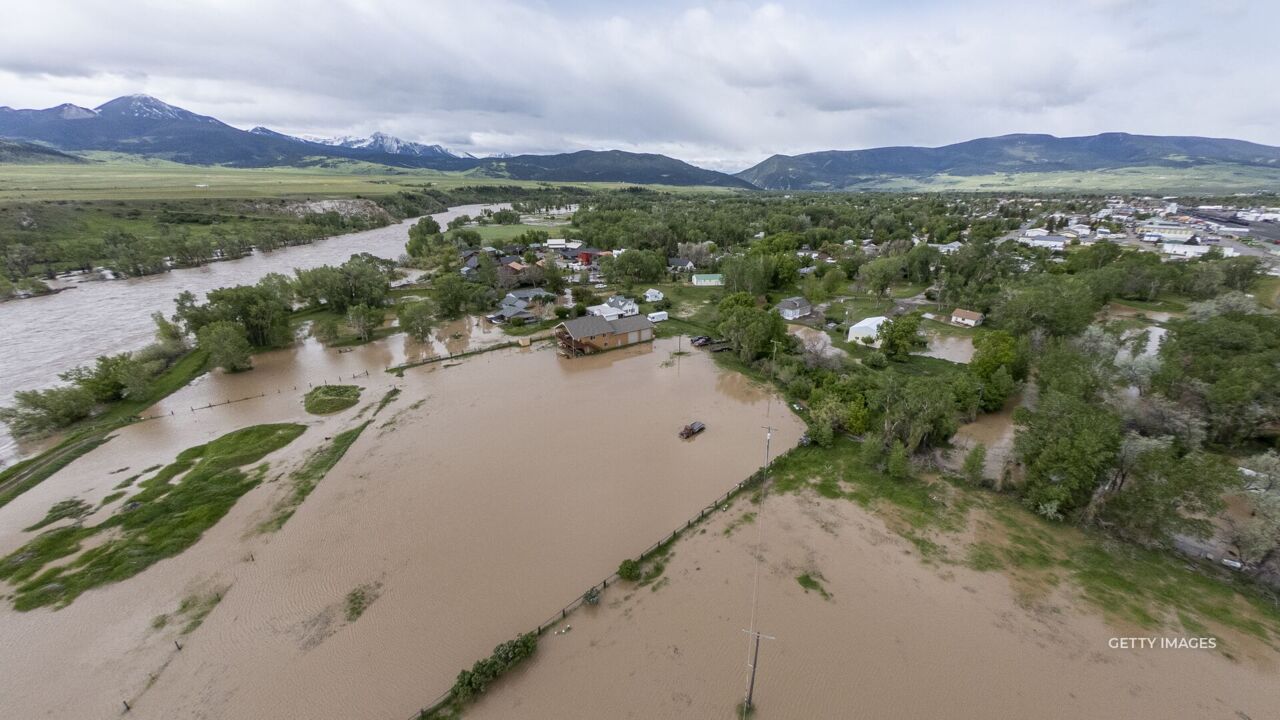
{"x":48,"y":335}
{"x":956,"y":348}
{"x":492,"y":492}
{"x":894,"y":638}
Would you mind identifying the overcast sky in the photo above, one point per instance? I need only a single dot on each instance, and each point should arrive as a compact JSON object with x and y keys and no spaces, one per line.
{"x":720,"y":84}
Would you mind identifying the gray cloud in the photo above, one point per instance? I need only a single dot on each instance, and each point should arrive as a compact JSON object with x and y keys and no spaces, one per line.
{"x":720,"y":84}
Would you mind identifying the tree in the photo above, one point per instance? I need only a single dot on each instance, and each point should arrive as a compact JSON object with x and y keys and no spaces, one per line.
{"x":880,"y":273}
{"x":995,"y":349}
{"x":975,"y":464}
{"x":634,"y":266}
{"x":37,"y":411}
{"x":553,"y":278}
{"x":227,"y":344}
{"x":422,"y":236}
{"x":415,"y":319}
{"x":325,"y":330}
{"x":451,"y":295}
{"x":1258,"y":537}
{"x":1067,"y":446}
{"x":918,"y":411}
{"x":751,"y":331}
{"x":898,"y":467}
{"x":363,"y":320}
{"x":1153,"y":494}
{"x":899,"y":336}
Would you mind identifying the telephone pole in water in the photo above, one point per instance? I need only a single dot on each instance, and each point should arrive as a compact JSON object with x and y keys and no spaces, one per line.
{"x":754,"y":634}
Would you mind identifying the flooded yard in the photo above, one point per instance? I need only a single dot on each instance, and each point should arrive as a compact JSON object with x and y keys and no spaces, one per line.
{"x":888,"y":636}
{"x":490,"y":493}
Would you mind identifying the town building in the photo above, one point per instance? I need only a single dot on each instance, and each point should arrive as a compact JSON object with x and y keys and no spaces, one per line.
{"x":590,"y":334}
{"x":968,"y":318}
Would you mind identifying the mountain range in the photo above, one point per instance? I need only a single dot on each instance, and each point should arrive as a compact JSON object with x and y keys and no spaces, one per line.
{"x":143,"y":125}
{"x":849,"y":169}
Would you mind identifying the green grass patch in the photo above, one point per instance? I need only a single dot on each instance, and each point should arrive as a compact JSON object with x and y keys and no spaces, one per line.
{"x":326,"y":399}
{"x":306,"y":478}
{"x":984,"y":557}
{"x":166,"y":516}
{"x":111,"y":498}
{"x":812,"y":582}
{"x":73,"y":508}
{"x":359,"y":600}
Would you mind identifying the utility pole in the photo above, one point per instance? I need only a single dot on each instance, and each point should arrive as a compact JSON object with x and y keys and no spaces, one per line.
{"x":754,"y":634}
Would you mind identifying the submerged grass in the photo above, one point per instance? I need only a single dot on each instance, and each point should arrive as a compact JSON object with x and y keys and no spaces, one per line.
{"x":313,"y":470}
{"x":359,"y":600}
{"x":326,"y":399}
{"x":386,"y":400}
{"x":161,"y":520}
{"x":812,"y":582}
{"x":73,"y":508}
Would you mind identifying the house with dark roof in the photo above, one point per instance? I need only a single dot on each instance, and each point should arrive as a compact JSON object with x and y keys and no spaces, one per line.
{"x":676,"y":264}
{"x":591,"y":333}
{"x":794,"y":308}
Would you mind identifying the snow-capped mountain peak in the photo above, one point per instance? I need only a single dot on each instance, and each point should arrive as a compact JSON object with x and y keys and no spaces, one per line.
{"x":147,"y":108}
{"x":382,"y":142}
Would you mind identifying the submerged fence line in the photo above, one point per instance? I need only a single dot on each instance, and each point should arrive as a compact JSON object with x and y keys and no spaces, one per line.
{"x":754,"y":479}
{"x":279,"y":391}
{"x":399,"y":369}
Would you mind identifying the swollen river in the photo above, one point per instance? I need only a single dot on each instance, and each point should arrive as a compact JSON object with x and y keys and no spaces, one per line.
{"x":49,"y":335}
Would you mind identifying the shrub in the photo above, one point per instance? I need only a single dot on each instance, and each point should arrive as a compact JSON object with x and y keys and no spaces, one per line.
{"x":629,"y":570}
{"x":876,"y":360}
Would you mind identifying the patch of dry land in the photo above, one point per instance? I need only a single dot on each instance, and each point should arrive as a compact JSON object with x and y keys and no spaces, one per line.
{"x":484,"y":496}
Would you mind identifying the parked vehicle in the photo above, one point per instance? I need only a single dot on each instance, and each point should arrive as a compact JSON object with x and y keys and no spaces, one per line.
{"x":691,"y":429}
{"x":658,"y":316}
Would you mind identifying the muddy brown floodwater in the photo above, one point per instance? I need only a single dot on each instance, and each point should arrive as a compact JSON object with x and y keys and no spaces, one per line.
{"x":895,"y":639}
{"x":492,"y":492}
{"x":49,"y":335}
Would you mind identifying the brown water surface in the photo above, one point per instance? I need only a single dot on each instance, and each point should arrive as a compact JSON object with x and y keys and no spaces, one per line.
{"x":896,"y":639}
{"x":488,"y":495}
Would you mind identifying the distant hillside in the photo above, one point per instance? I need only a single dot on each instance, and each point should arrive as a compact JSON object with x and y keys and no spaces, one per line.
{"x":143,"y":125}
{"x":12,"y":151}
{"x":1008,"y":154}
{"x":608,"y":166}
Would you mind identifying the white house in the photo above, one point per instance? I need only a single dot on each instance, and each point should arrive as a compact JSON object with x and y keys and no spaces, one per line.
{"x":948,"y":248}
{"x":1051,"y":242}
{"x":624,"y":305}
{"x":653,"y":295}
{"x":1035,"y":232}
{"x":1189,"y":251}
{"x":605,"y":311}
{"x":866,"y":328}
{"x":794,"y":308}
{"x":968,"y":318}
